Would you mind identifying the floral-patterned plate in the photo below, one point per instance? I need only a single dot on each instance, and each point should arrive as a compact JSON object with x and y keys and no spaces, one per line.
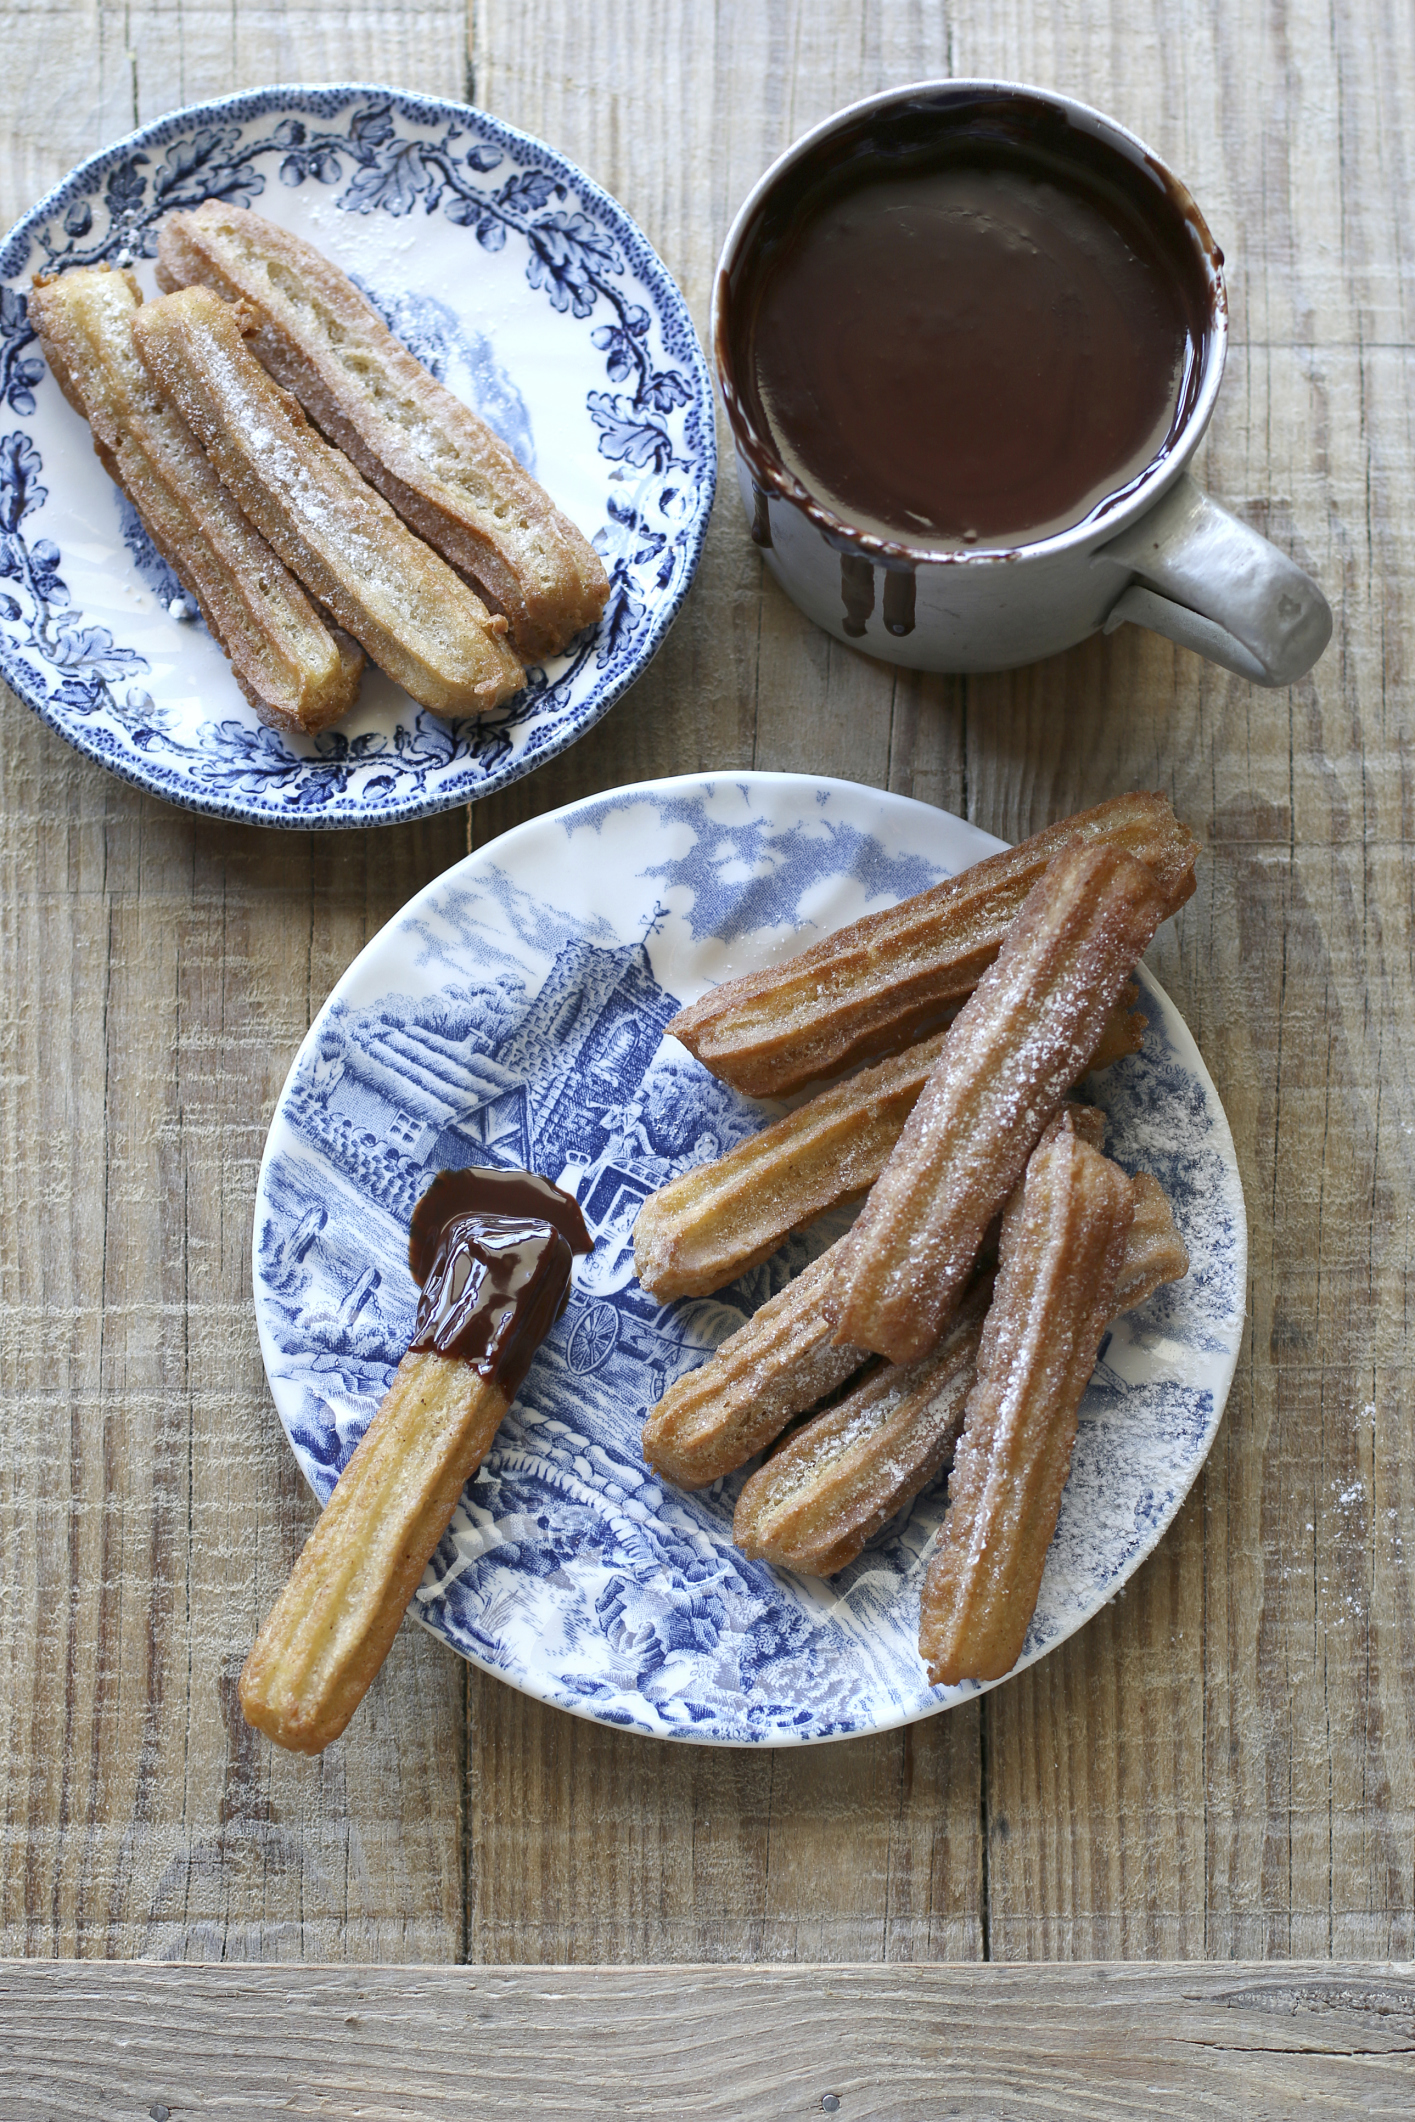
{"x":519,"y":283}
{"x":512,"y":1014}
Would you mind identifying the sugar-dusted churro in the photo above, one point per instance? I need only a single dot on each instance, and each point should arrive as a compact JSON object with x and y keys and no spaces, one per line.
{"x":842,"y":1475}
{"x":1154,"y":1251}
{"x":776,"y":1366}
{"x":440,"y":466}
{"x":1055,"y":1291}
{"x":835,"y":1482}
{"x":415,"y":617}
{"x":702,"y":1230}
{"x":1007,"y":1063}
{"x":492,"y":1250}
{"x":875,"y":985}
{"x":297,"y":675}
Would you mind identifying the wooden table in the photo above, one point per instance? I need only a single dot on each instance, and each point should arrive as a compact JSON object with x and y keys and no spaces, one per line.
{"x":1221,"y":1767}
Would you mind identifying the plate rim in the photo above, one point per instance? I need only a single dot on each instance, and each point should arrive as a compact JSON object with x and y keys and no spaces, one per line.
{"x":243,"y":105}
{"x":1187,"y":1049}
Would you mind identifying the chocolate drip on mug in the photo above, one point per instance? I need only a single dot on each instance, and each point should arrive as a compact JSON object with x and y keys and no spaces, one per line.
{"x":899,"y":600}
{"x":761,"y":519}
{"x":857,"y":592}
{"x":493,"y":1251}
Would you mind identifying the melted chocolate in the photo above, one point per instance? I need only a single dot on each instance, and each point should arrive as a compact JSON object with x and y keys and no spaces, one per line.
{"x":967,"y":325}
{"x":492,"y":1251}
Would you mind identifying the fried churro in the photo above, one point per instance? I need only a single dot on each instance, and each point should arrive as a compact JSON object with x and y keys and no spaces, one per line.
{"x":841,"y":1476}
{"x":333,"y":1624}
{"x":492,"y":1250}
{"x":881,"y":982}
{"x":297,"y":675}
{"x":713,"y":1223}
{"x":1055,"y":1291}
{"x":1008,"y":1060}
{"x":837,"y":1480}
{"x":776,"y":1366}
{"x":1154,"y":1251}
{"x":427,"y":453}
{"x":415,"y":617}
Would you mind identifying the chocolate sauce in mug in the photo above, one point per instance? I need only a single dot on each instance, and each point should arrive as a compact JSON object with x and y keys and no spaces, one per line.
{"x":969,"y":341}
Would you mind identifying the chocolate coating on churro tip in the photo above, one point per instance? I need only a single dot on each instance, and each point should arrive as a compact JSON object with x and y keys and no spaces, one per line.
{"x":492,"y":1251}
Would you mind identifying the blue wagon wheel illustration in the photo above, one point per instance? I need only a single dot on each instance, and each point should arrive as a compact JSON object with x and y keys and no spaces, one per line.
{"x":593,"y":1339}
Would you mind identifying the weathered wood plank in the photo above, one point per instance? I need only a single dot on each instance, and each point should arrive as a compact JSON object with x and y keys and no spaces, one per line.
{"x":159,"y":972}
{"x":1107,"y":2044}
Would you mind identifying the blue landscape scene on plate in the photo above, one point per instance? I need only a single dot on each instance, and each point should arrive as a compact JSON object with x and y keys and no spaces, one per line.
{"x":525,"y":1029}
{"x":377,"y":155}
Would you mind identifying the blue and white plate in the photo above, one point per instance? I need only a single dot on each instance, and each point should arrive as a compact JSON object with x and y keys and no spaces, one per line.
{"x":519,"y":283}
{"x":512,"y":1014}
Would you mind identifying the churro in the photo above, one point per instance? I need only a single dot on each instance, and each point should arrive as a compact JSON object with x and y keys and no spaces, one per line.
{"x":414,"y":616}
{"x":441,"y":467}
{"x":297,"y":675}
{"x":1055,"y":1292}
{"x":842,"y":1475}
{"x":713,"y":1223}
{"x":837,"y":1480}
{"x":1008,"y":1060}
{"x":331,"y":1628}
{"x":492,"y":1250}
{"x":883,"y":981}
{"x":776,"y":1366}
{"x":1154,"y":1251}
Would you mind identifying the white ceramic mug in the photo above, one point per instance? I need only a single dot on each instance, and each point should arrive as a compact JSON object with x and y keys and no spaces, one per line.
{"x":1163,"y":555}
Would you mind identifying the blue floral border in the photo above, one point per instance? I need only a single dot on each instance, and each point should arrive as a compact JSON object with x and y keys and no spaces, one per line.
{"x":576,"y":236}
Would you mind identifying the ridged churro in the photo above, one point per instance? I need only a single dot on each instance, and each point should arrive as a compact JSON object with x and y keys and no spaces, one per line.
{"x":1055,"y":1292}
{"x":331,"y":1628}
{"x":297,"y":675}
{"x":492,"y":1250}
{"x":1154,"y":1251}
{"x":841,"y":1476}
{"x":710,"y":1225}
{"x":441,"y":467}
{"x":835,"y":1482}
{"x":1008,"y":1060}
{"x":874,"y":986}
{"x":415,"y":617}
{"x":776,"y":1366}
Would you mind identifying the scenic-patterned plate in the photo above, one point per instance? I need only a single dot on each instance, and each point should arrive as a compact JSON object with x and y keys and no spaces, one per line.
{"x":519,"y":283}
{"x":512,"y":1014}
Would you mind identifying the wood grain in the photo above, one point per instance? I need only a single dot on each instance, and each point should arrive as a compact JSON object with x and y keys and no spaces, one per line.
{"x":1223,"y":1763}
{"x":159,"y":971}
{"x":1061,"y":2044}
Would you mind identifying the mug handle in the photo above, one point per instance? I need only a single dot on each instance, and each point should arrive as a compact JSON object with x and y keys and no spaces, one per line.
{"x":1232,"y":596}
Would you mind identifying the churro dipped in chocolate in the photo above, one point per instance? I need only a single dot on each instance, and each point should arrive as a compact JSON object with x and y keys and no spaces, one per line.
{"x":414,"y":616}
{"x":874,"y":986}
{"x":776,"y":1366}
{"x":297,"y":675}
{"x":1055,"y":1292}
{"x":492,"y":1251}
{"x":441,"y":467}
{"x":709,"y":1226}
{"x":1008,"y":1060}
